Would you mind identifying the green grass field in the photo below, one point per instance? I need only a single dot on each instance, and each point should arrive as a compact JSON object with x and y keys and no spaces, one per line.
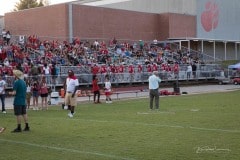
{"x":188,"y":127}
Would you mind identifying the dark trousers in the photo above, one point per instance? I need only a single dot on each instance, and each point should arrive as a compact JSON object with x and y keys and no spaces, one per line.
{"x":96,"y":94}
{"x":154,"y":94}
{"x":2,"y":97}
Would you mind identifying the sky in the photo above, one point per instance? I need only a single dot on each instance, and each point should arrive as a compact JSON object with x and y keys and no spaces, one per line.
{"x":9,"y":5}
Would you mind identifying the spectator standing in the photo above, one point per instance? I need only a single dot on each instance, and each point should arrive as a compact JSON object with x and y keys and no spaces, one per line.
{"x":176,"y":70}
{"x":4,"y":35}
{"x":42,"y":49}
{"x":121,"y":73}
{"x":154,"y":81}
{"x":8,"y":37}
{"x":35,"y":94}
{"x":154,"y":67}
{"x":95,"y":69}
{"x":131,"y":72}
{"x":19,"y":103}
{"x":54,"y":74}
{"x":194,"y":69}
{"x":96,"y":45}
{"x":6,"y":62}
{"x":71,"y":85}
{"x":19,"y":67}
{"x":46,"y":72}
{"x":189,"y":71}
{"x":3,"y":86}
{"x":44,"y":93}
{"x":108,"y":90}
{"x":29,"y":93}
{"x":103,"y":71}
{"x":96,"y":89}
{"x":34,"y":72}
{"x":141,"y":44}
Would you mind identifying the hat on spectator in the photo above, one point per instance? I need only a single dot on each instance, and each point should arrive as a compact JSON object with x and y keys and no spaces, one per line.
{"x":18,"y":73}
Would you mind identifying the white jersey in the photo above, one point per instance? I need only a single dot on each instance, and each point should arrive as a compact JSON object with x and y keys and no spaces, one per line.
{"x":108,"y":86}
{"x":71,"y":84}
{"x":2,"y":86}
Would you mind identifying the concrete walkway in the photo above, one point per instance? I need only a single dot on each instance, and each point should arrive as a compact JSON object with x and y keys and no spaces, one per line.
{"x":136,"y":92}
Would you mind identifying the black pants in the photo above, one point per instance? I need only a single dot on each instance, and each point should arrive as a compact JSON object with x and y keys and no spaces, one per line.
{"x":96,"y":93}
{"x":2,"y":97}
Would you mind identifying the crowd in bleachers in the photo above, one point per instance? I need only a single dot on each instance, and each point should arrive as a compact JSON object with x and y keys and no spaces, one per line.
{"x":35,"y":56}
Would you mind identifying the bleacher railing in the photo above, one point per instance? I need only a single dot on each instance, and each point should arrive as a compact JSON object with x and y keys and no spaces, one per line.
{"x":207,"y":71}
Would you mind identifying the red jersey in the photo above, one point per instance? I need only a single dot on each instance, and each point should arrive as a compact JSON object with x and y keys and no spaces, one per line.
{"x":95,"y":86}
{"x":95,"y":70}
{"x":130,"y":69}
{"x":176,"y":68}
{"x":103,"y":69}
{"x":140,"y":68}
{"x":149,"y":68}
{"x":121,"y":69}
{"x":113,"y":69}
{"x":155,"y":67}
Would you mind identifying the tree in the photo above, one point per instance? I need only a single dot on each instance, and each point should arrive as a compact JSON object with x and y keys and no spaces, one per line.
{"x":26,"y":4}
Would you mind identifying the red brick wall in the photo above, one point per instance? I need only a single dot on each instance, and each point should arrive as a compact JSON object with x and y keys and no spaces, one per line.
{"x":182,"y":25}
{"x":46,"y":22}
{"x":95,"y":22}
{"x":163,"y":26}
{"x":100,"y":23}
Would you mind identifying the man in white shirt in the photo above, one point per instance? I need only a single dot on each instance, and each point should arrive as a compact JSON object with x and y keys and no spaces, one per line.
{"x":154,"y":81}
{"x":3,"y":85}
{"x":189,"y":71}
{"x":71,"y":86}
{"x":4,"y":32}
{"x":46,"y":72}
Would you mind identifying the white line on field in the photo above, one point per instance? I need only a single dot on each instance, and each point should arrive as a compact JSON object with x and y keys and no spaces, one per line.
{"x":66,"y":149}
{"x":170,"y":126}
{"x":157,"y":125}
{"x":152,"y":112}
{"x":213,"y":129}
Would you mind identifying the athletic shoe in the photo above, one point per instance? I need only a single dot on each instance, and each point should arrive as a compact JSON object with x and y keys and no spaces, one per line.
{"x":4,"y":112}
{"x":35,"y":108}
{"x":16,"y":130}
{"x":2,"y":129}
{"x":110,"y":102}
{"x":70,"y":115}
{"x":26,"y":129}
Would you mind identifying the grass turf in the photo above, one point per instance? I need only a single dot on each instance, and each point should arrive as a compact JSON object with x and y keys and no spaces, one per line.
{"x":187,"y":127}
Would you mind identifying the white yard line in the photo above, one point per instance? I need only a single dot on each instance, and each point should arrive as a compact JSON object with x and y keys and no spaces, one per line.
{"x":66,"y":149}
{"x":156,"y":125}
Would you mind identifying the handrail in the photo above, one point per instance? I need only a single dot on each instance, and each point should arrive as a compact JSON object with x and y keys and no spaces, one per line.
{"x":121,"y":78}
